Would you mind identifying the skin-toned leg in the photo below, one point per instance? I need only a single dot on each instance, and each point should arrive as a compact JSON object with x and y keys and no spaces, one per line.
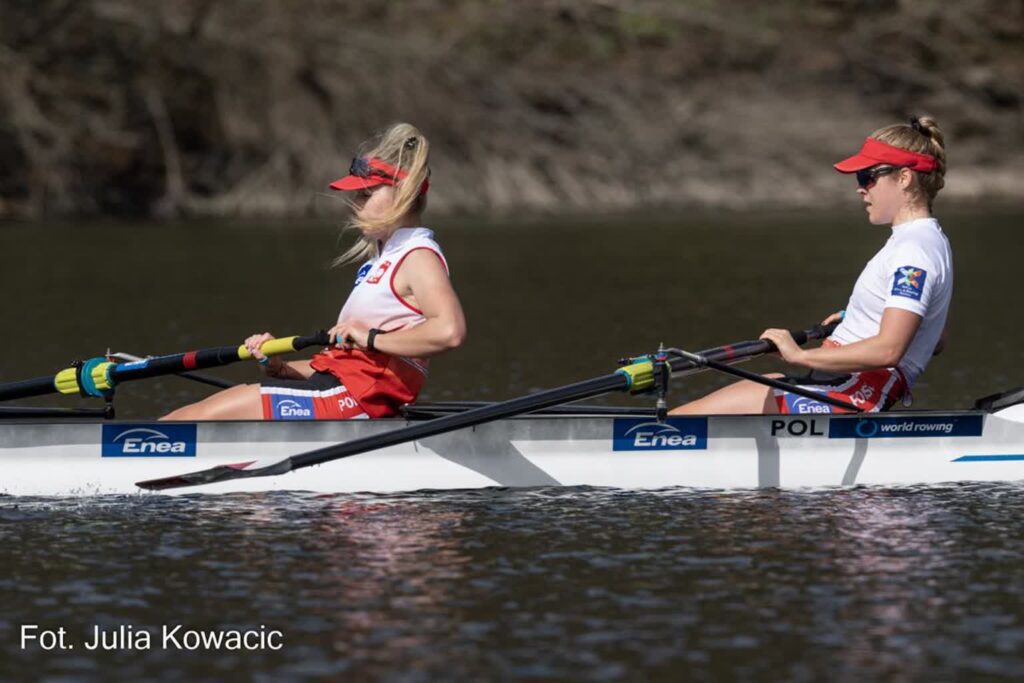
{"x":237,"y":403}
{"x":740,"y":398}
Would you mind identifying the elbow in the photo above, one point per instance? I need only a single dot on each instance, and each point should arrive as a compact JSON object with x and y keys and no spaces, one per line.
{"x":891,"y":357}
{"x":454,"y":336}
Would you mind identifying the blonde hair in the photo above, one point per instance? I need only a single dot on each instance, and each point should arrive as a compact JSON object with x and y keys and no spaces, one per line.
{"x":403,"y":146}
{"x":921,"y":135}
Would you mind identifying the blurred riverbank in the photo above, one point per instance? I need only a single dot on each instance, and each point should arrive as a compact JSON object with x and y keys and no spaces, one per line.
{"x":235,"y":108}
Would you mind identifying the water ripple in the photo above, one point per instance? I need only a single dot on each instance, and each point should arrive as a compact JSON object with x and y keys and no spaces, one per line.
{"x":538,"y":583}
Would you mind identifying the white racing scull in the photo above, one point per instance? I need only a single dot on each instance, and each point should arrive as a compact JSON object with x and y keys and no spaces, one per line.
{"x":47,"y":458}
{"x":510,"y":443}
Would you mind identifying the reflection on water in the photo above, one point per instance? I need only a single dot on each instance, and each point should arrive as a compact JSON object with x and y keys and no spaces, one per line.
{"x":546,"y":583}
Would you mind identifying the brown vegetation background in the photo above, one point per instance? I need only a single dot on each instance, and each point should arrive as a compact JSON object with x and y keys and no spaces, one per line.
{"x":244,"y":107}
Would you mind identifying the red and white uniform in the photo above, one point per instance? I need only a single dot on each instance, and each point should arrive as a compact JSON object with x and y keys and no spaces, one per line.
{"x":378,"y":382}
{"x":914,"y":272}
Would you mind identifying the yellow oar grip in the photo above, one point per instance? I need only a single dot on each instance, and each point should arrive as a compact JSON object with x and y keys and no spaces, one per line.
{"x":274,"y":347}
{"x":66,"y":381}
{"x":101,"y":376}
{"x":641,"y":375}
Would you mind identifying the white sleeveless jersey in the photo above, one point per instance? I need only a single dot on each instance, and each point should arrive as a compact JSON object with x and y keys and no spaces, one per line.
{"x":913,"y":271}
{"x":374,"y":301}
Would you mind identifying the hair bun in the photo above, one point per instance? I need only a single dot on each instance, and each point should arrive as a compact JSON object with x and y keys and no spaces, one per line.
{"x":411,"y":143}
{"x":915,"y":123}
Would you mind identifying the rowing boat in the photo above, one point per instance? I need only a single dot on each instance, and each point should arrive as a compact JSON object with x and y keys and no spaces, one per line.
{"x":544,"y":439}
{"x":571,"y":447}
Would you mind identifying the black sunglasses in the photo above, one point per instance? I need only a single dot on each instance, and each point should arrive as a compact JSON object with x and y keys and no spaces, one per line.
{"x":868,"y":176}
{"x":361,"y":168}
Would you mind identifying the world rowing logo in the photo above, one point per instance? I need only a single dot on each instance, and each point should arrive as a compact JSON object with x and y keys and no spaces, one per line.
{"x":675,"y":434}
{"x":895,"y":427}
{"x":149,"y":441}
{"x":866,"y":429}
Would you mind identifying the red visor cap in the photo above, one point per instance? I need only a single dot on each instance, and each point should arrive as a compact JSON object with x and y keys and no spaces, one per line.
{"x":875,"y":152}
{"x":375,"y":172}
{"x":380,"y":173}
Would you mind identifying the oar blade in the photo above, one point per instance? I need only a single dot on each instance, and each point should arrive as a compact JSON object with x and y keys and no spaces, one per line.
{"x":213,"y":475}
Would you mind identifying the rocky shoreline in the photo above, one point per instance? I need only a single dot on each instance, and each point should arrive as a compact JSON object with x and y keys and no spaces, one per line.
{"x":235,"y":108}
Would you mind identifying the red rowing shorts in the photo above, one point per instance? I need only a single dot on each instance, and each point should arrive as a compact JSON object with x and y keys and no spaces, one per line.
{"x":321,"y":397}
{"x":872,"y":390}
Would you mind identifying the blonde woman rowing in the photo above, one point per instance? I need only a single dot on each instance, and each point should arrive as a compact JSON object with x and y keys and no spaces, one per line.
{"x":401,"y":311}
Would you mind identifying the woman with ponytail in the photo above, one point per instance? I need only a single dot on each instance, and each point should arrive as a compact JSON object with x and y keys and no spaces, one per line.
{"x":401,"y":311}
{"x":896,"y":316}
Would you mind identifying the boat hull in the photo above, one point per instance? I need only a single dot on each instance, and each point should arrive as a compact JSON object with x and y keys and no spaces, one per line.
{"x":94,"y":458}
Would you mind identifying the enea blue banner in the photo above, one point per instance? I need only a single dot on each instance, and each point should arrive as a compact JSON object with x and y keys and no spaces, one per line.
{"x":675,"y":434}
{"x":160,"y":440}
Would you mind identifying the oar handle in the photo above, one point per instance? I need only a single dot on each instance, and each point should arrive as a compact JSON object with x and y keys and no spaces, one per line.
{"x":99,"y":375}
{"x":640,"y":373}
{"x":277,"y":347}
{"x":801,"y":337}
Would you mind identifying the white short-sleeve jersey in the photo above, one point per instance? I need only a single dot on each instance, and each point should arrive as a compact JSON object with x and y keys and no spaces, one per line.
{"x":913,"y":271}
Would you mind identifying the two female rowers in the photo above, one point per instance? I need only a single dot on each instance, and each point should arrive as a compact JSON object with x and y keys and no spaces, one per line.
{"x":403,"y":308}
{"x":401,"y":311}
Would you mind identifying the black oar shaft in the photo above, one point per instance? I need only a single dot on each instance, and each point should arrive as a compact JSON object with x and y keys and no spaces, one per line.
{"x":158,"y":365}
{"x":194,"y":376}
{"x":544,"y":399}
{"x":39,"y":386}
{"x":476,"y":416}
{"x":204,"y":358}
{"x":767,"y":381}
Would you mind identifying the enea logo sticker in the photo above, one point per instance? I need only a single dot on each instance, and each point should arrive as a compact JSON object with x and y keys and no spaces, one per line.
{"x":802,"y":405}
{"x":292,"y":407}
{"x":149,"y":441}
{"x":902,"y":427}
{"x":675,"y":434}
{"x":909,"y":282}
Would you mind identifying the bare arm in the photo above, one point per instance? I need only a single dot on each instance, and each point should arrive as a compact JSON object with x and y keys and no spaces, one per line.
{"x":884,"y":350}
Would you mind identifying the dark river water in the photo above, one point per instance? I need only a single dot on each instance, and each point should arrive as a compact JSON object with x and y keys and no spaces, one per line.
{"x":547,"y":304}
{"x":854,"y":584}
{"x":860,"y":584}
